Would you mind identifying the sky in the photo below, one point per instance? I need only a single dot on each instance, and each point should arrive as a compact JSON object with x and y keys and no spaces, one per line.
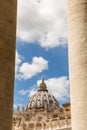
{"x":41,"y":50}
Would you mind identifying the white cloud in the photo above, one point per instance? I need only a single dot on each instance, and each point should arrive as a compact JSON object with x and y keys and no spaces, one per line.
{"x":43,"y":22}
{"x":14,"y":106}
{"x":59,"y":87}
{"x":18,"y":61}
{"x":23,"y":92}
{"x":29,"y":92}
{"x":28,"y":70}
{"x":32,"y":92}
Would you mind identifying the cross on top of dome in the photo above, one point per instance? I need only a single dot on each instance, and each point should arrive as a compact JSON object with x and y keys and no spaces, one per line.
{"x":42,"y":86}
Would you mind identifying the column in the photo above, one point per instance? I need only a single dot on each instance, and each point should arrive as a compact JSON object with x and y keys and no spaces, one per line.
{"x":51,"y":127}
{"x":58,"y":122}
{"x":35,"y":126}
{"x":42,"y":126}
{"x":7,"y":61}
{"x":77,"y":29}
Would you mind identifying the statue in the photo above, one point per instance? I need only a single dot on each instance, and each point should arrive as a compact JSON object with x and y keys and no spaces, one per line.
{"x":18,"y":109}
{"x":23,"y":109}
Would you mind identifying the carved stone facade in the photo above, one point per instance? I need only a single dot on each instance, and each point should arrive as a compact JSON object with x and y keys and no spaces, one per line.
{"x":42,"y":113}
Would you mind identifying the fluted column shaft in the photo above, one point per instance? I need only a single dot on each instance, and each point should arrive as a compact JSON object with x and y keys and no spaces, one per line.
{"x":7,"y":61}
{"x":77,"y":35}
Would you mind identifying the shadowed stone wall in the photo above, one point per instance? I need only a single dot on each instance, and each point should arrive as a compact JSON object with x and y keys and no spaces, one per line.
{"x":7,"y":61}
{"x":77,"y":26}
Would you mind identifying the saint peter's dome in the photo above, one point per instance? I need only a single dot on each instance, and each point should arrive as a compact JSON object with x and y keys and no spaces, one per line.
{"x":42,"y":100}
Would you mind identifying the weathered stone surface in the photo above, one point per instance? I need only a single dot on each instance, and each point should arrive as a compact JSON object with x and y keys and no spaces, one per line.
{"x":7,"y":60}
{"x":77,"y":26}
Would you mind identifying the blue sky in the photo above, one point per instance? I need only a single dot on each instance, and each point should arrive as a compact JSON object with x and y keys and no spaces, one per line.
{"x":41,"y":50}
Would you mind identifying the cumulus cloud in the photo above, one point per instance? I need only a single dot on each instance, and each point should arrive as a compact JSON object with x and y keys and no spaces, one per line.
{"x":23,"y":92}
{"x":43,"y":22}
{"x":32,"y":92}
{"x":18,"y":61}
{"x":14,"y":106}
{"x":29,"y":92}
{"x":27,"y":70}
{"x":59,"y":87}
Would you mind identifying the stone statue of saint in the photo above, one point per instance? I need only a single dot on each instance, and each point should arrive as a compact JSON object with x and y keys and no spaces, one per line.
{"x":18,"y":109}
{"x":23,"y":109}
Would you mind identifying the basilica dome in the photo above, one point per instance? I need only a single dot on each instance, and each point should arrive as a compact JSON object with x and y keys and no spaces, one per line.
{"x":42,"y":100}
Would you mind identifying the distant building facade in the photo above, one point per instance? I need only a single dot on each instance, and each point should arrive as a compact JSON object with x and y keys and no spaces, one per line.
{"x":42,"y":113}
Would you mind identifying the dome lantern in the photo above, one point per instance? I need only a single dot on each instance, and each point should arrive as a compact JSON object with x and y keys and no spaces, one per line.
{"x":42,"y":86}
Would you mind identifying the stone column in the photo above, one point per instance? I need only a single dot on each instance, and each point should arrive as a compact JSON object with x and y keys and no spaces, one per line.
{"x":42,"y":126}
{"x":35,"y":126}
{"x":77,"y":27}
{"x":51,"y":127}
{"x":58,"y":122}
{"x":7,"y":61}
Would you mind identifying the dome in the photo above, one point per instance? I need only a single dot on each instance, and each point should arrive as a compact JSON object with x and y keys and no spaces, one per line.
{"x":42,"y":100}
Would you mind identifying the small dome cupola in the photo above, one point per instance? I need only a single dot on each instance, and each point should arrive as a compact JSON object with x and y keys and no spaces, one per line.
{"x":42,"y":86}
